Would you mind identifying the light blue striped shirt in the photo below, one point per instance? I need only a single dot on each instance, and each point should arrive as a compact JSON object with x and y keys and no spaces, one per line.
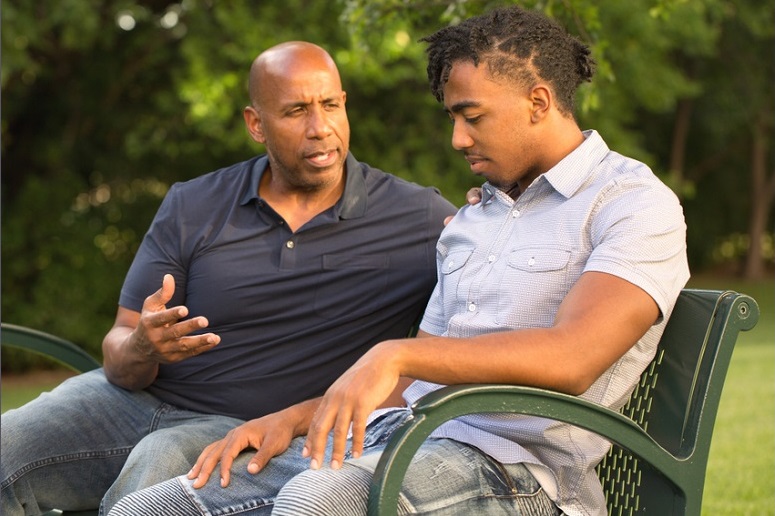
{"x":506,"y":264}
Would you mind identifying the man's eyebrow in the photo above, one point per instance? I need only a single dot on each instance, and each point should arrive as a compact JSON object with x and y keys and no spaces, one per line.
{"x":460,"y":106}
{"x":304,"y":103}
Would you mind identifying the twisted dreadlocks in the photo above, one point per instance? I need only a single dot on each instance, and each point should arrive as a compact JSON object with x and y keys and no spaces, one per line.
{"x":524,"y":46}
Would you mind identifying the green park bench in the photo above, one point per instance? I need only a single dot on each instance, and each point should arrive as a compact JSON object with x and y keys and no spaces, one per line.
{"x":661,"y":437}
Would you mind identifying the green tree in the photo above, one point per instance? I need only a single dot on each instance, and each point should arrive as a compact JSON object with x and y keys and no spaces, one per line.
{"x":108,"y":102}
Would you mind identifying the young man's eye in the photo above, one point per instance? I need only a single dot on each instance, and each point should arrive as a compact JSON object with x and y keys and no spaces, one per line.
{"x":472,"y":119}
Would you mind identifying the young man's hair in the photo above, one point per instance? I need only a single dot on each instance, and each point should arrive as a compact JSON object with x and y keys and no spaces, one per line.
{"x":523,"y":46}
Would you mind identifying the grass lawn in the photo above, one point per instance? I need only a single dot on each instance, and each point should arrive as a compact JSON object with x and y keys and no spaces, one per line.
{"x":741,"y":471}
{"x":740,"y":479}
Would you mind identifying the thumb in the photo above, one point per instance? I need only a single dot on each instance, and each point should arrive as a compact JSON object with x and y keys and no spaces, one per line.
{"x":159,"y":299}
{"x":167,"y":288}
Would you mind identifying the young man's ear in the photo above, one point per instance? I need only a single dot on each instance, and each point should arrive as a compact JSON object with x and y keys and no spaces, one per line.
{"x":541,"y":98}
{"x":253,"y":124}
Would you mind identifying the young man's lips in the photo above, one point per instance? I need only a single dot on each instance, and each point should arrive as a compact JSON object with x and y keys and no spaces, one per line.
{"x":474,"y":161}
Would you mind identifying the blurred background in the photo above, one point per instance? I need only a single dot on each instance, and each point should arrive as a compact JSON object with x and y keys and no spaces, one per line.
{"x":106,"y":103}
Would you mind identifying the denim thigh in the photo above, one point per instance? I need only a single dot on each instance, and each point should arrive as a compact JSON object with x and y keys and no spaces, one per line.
{"x":445,"y":477}
{"x":246,"y":494}
{"x":66,"y":448}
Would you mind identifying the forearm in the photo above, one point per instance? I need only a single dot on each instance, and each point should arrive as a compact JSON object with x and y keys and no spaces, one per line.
{"x":591,"y":331}
{"x":527,"y":357}
{"x":124,"y":364}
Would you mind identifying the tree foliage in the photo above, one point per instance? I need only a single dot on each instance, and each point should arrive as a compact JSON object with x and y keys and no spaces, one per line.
{"x":106,"y":103}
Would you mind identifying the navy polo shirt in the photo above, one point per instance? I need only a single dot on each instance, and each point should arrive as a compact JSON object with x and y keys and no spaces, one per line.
{"x":293,"y":310}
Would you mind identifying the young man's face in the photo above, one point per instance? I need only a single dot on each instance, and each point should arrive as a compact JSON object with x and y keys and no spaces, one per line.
{"x":492,"y":125}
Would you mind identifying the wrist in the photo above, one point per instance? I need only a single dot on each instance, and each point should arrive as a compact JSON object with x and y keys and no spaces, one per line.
{"x":391,"y":355}
{"x":300,"y":415}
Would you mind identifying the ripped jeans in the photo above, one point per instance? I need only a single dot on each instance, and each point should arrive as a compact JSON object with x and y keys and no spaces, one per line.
{"x":446,"y":477}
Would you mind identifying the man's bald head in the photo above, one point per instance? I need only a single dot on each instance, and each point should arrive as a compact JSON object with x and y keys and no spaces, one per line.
{"x":284,"y":60}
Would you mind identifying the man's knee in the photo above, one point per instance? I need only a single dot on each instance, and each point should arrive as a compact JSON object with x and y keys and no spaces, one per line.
{"x":325,"y":491}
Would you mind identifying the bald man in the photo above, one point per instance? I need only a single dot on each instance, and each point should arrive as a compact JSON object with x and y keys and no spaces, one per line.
{"x":255,"y":287}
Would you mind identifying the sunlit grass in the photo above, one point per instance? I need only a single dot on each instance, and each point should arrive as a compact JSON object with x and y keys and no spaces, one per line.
{"x":740,"y":479}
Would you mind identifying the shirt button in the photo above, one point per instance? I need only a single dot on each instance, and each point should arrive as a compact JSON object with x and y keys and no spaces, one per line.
{"x":531,"y":262}
{"x":491,"y":258}
{"x":289,"y":244}
{"x":515,"y":213}
{"x":471,"y":307}
{"x":450,"y":265}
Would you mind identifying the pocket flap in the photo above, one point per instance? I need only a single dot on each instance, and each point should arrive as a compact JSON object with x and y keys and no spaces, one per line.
{"x":536,"y":259}
{"x":455,"y":260}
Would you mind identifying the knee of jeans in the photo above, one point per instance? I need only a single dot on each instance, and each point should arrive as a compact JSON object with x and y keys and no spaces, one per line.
{"x":325,"y":491}
{"x":173,"y":444}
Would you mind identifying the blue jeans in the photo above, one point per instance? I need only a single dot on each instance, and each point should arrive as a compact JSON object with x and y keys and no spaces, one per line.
{"x":446,"y":477}
{"x":88,"y":443}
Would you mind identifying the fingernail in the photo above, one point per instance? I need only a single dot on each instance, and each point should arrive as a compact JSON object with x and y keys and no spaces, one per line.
{"x":314,"y":464}
{"x":335,"y":464}
{"x":223,"y":482}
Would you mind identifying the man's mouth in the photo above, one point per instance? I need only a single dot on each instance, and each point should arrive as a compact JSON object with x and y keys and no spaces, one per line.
{"x":475,"y":161}
{"x":322,"y":158}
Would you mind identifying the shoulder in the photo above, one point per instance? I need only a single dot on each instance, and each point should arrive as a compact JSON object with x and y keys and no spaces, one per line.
{"x":222,"y":181}
{"x":632,"y":188}
{"x":383,"y":187}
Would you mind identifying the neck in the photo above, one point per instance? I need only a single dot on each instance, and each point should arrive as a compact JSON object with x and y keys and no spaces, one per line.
{"x":297,"y":205}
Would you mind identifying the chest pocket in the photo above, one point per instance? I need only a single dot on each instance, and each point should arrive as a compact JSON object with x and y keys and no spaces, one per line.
{"x":451,"y":288}
{"x":455,"y":261}
{"x":539,"y":260}
{"x":534,"y":283}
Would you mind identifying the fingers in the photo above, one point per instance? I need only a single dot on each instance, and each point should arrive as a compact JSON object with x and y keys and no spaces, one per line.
{"x":163,"y":334}
{"x":223,"y":452}
{"x":317,"y":436}
{"x":341,"y":422}
{"x":205,"y":464}
{"x":159,"y":299}
{"x":474,"y":195}
{"x":358,"y":433}
{"x":261,"y":458}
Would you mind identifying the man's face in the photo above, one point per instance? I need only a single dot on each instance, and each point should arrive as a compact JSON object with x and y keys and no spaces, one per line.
{"x":491,"y":121}
{"x":301,"y":119}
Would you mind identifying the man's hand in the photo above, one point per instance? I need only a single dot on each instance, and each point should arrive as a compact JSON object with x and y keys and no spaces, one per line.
{"x":473,"y":196}
{"x":139,"y":341}
{"x":271,"y":435}
{"x":350,"y":400}
{"x":161,"y":337}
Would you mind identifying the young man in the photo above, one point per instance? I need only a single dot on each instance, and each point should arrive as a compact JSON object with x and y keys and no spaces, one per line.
{"x":562,"y":277}
{"x":276,"y":274}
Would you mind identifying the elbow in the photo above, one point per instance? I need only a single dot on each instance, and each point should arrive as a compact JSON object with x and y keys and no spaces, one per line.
{"x":574,"y":382}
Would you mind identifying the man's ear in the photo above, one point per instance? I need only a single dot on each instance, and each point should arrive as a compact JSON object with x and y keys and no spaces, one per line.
{"x":253,"y":124}
{"x":541,"y":98}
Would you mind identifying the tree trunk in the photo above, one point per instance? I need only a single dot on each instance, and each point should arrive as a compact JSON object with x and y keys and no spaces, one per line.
{"x":762,"y":195}
{"x":677,"y":165}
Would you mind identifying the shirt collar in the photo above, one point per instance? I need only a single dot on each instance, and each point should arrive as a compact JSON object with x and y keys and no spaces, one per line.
{"x":567,"y":176}
{"x":351,"y":205}
{"x":573,"y":170}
